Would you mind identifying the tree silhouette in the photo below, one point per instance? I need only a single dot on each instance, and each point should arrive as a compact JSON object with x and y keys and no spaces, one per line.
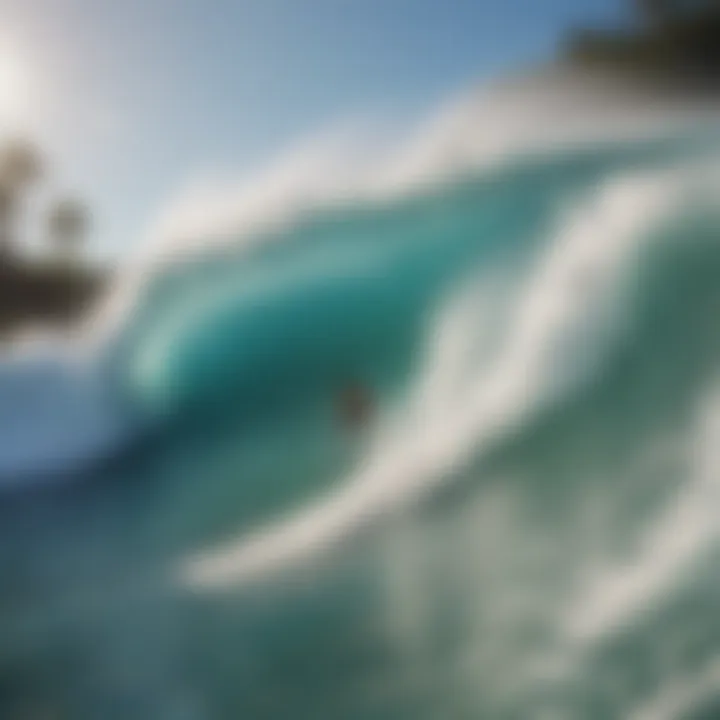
{"x":40,"y":292}
{"x":20,"y":167}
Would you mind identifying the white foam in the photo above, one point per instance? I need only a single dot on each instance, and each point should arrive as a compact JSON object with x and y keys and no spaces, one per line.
{"x":617,"y":595}
{"x":681,"y":695}
{"x":328,"y":168}
{"x":366,"y":162}
{"x":569,"y":305}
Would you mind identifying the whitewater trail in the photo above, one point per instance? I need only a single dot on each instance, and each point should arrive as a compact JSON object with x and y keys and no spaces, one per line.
{"x":570,"y":306}
{"x":682,"y":695}
{"x":616,"y":597}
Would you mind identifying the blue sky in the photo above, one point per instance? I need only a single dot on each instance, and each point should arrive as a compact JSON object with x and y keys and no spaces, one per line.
{"x":131,"y":99}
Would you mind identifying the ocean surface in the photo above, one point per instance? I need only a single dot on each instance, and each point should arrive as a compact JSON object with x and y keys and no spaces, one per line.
{"x":527,"y":527}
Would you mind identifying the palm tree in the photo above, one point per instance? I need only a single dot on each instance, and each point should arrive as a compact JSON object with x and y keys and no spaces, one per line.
{"x":67,"y":226}
{"x":20,"y":166}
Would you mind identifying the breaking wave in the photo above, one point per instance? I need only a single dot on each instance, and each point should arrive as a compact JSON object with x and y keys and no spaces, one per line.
{"x":526,"y":526}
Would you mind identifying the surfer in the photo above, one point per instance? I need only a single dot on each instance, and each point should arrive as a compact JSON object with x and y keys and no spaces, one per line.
{"x":354,"y":404}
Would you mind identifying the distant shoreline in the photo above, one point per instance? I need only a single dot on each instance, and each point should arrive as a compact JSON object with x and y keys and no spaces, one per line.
{"x":36,"y":294}
{"x":679,"y":48}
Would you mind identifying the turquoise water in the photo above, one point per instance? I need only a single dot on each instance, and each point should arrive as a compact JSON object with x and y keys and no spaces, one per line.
{"x":526,"y":529}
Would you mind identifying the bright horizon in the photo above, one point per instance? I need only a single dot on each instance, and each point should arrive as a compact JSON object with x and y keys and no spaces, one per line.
{"x":132,"y":102}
